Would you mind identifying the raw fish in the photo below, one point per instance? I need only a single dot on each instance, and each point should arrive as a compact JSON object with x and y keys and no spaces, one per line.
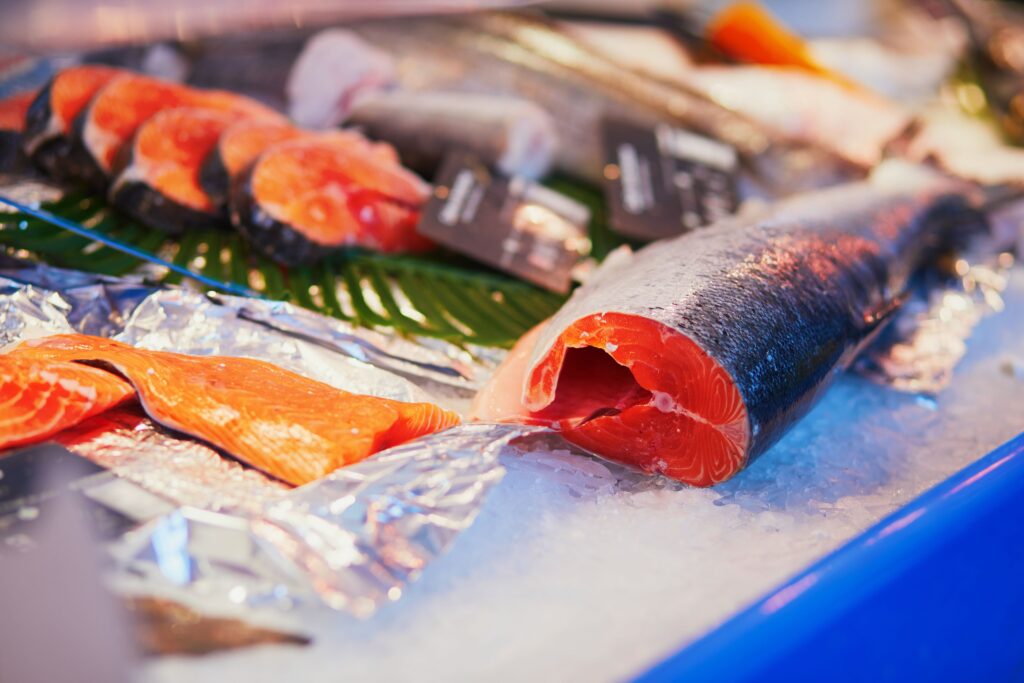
{"x":695,"y":355}
{"x":307,"y":197}
{"x":291,"y":427}
{"x":40,"y":397}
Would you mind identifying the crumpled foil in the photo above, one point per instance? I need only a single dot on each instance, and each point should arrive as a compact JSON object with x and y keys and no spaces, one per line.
{"x":923,"y":345}
{"x":239,"y":539}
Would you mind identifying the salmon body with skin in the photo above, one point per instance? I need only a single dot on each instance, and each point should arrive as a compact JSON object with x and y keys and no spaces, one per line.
{"x":695,"y":355}
{"x":41,"y":397}
{"x":305,"y":197}
{"x":291,"y":427}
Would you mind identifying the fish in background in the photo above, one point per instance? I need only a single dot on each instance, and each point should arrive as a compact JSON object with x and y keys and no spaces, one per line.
{"x":341,"y":78}
{"x":510,"y":134}
{"x":854,"y":124}
{"x":693,"y":356}
{"x":528,"y":57}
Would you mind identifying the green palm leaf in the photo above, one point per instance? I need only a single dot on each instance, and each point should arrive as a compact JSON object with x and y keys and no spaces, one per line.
{"x":435,"y":295}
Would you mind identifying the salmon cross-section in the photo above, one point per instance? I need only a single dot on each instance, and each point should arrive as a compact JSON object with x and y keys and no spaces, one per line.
{"x":631,"y":390}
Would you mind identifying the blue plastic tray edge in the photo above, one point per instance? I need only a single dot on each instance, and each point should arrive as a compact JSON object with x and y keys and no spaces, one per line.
{"x":935,"y":591}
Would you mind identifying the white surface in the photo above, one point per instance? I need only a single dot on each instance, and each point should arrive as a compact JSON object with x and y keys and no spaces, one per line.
{"x":567,"y":577}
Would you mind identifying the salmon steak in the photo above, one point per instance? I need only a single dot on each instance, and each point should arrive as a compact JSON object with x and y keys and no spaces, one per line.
{"x":40,"y":397}
{"x":693,"y":356}
{"x":304,"y":198}
{"x":291,"y":427}
{"x":159,"y":179}
{"x":236,"y":150}
{"x":49,"y":119}
{"x":129,"y":100}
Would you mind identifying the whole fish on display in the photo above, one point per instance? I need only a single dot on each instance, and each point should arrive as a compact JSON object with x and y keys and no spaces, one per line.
{"x":693,"y":356}
{"x":531,"y":58}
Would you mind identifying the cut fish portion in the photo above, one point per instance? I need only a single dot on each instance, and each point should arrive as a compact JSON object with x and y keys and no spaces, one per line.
{"x":159,"y":184}
{"x":291,"y":427}
{"x":236,"y":150}
{"x":125,"y":103}
{"x":306,"y":197}
{"x":49,"y":120}
{"x":628,"y":387}
{"x":40,"y":397}
{"x":694,"y":355}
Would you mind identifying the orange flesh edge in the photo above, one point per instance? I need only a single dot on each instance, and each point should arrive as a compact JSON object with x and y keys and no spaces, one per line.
{"x":291,"y":427}
{"x":13,"y":110}
{"x":41,"y":397}
{"x":337,"y":191}
{"x":747,"y":32}
{"x":246,"y":140}
{"x":631,"y":390}
{"x":72,"y":90}
{"x":129,"y":100}
{"x":169,"y":150}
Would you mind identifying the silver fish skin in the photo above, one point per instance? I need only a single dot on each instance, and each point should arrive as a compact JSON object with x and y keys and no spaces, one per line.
{"x":781,"y":299}
{"x":526,"y":56}
{"x":511,"y":134}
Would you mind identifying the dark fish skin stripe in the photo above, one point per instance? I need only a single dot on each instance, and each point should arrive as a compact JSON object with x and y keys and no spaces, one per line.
{"x":271,"y":237}
{"x":784,"y":298}
{"x":214,"y":178}
{"x":38,"y":116}
{"x":153,"y":208}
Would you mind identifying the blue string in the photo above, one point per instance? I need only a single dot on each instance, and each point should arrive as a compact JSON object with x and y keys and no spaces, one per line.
{"x":71,"y":226}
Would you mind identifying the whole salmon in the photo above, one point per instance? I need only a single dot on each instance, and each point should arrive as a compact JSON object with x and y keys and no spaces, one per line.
{"x":695,"y":355}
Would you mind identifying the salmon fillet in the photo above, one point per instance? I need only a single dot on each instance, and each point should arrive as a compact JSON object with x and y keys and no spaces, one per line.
{"x":293,"y":428}
{"x":40,"y":397}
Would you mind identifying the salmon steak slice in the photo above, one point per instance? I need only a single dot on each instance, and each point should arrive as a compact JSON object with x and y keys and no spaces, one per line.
{"x":293,"y":428}
{"x":40,"y":397}
{"x":49,"y":119}
{"x":129,"y":100}
{"x":159,"y":182}
{"x":304,"y":198}
{"x":236,"y":150}
{"x":694,"y":355}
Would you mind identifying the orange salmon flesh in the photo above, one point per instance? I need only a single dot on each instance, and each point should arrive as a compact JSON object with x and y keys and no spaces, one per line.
{"x":631,"y":389}
{"x":41,"y":397}
{"x":341,"y":190}
{"x":129,"y":100}
{"x":13,"y":110}
{"x":72,"y":89}
{"x":293,"y":428}
{"x":169,"y":150}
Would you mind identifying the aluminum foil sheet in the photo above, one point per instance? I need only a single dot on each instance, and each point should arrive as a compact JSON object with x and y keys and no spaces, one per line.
{"x":126,"y":442}
{"x":929,"y":336}
{"x":238,"y":539}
